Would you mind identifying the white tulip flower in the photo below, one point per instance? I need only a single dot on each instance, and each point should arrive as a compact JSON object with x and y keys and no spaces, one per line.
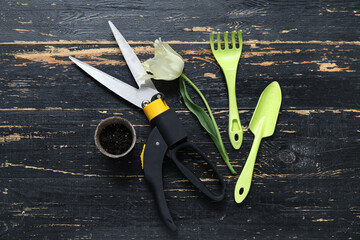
{"x":166,"y":64}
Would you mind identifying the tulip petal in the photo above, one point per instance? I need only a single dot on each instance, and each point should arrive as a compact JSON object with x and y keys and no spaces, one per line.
{"x":166,"y":64}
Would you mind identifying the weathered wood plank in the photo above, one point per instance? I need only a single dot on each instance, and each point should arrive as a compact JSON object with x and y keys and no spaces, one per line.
{"x":182,"y":20}
{"x":311,"y":75}
{"x":93,"y":209}
{"x":46,"y":142}
{"x":55,"y":182}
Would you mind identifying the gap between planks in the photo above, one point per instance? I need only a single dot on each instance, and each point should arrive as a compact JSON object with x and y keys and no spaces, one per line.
{"x":290,"y":109}
{"x":104,"y":42}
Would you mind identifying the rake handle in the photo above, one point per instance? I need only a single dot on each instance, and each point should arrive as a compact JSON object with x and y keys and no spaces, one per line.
{"x":235,"y":129}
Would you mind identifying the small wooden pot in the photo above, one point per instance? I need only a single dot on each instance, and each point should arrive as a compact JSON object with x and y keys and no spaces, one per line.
{"x":118,"y":121}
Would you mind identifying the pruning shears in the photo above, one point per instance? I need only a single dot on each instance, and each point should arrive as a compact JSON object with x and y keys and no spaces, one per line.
{"x":167,"y":137}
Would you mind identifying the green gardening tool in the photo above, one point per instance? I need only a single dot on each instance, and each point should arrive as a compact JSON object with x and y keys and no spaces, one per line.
{"x":228,"y":59}
{"x":262,"y":125}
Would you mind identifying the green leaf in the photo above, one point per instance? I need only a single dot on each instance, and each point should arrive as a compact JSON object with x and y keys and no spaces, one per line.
{"x":208,"y":123}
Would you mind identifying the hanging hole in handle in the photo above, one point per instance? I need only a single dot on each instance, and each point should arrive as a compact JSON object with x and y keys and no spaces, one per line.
{"x":241,"y":191}
{"x":236,"y":136}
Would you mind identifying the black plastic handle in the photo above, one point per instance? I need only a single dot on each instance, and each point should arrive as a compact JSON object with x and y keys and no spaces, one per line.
{"x":191,"y":176}
{"x":169,"y":136}
{"x":154,"y":154}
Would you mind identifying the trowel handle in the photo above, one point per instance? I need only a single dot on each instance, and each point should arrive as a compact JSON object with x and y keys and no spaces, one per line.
{"x":243,"y":184}
{"x":235,"y":129}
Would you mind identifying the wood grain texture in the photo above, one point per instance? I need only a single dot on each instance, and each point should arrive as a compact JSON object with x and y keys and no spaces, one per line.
{"x":55,"y":184}
{"x":312,"y":75}
{"x":183,"y":20}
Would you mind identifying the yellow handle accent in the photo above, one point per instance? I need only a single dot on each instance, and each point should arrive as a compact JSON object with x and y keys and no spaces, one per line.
{"x":155,"y":108}
{"x":152,"y":110}
{"x":142,"y":157}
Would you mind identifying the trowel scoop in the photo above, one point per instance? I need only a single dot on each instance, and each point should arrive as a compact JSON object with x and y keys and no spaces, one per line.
{"x":262,"y":125}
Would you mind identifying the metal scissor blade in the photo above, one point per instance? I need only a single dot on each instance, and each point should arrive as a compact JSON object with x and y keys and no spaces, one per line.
{"x":124,"y":90}
{"x":131,"y":59}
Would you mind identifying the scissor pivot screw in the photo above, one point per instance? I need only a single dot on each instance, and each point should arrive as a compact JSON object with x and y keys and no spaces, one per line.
{"x":157,"y":96}
{"x":144,"y":103}
{"x":157,"y":144}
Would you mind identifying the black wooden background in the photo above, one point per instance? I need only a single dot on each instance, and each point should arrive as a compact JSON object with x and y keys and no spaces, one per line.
{"x":55,"y":184}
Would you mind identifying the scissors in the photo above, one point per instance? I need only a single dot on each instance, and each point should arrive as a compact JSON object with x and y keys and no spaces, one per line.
{"x":167,"y":136}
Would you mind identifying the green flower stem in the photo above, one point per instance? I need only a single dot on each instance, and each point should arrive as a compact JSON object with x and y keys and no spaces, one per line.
{"x":218,"y":141}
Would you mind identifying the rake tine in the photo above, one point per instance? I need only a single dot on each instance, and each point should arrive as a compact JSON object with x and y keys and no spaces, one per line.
{"x":233,"y":40}
{"x":240,"y":39}
{"x":212,"y":41}
{"x":226,"y":40}
{"x":218,"y":41}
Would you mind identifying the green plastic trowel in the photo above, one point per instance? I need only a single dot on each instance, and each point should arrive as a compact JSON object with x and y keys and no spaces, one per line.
{"x":262,"y":125}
